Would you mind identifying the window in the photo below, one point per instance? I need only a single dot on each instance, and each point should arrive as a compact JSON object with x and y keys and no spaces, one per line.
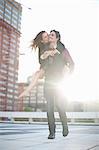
{"x":7,"y":16}
{"x":10,"y":84}
{"x":15,"y":11}
{"x":4,"y":71}
{"x":14,"y":24}
{"x":2,"y":3}
{"x":5,"y":41}
{"x":10,"y":73}
{"x":10,"y":79}
{"x":8,"y":11}
{"x":11,"y":68}
{"x":16,"y":76}
{"x":13,"y":45}
{"x":14,"y":21}
{"x":1,"y":15}
{"x":9,"y":95}
{"x":5,"y":47}
{"x":8,"y":6}
{"x":12,"y":49}
{"x":3,"y":65}
{"x":13,"y":40}
{"x":19,"y":27}
{"x":9,"y":107}
{"x":16,"y":86}
{"x":6,"y":37}
{"x":15,"y":17}
{"x":11,"y":61}
{"x":16,"y":97}
{"x":2,"y":94}
{"x":7,"y":19}
{"x":3,"y":82}
{"x":2,"y":88}
{"x":10,"y":90}
{"x":13,"y":36}
{"x":1,"y":11}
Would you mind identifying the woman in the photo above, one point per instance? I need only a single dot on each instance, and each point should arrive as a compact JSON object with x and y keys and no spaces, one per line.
{"x":41,"y":41}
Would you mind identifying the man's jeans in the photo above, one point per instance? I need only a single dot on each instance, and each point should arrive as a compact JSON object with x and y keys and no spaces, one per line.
{"x":54,"y":96}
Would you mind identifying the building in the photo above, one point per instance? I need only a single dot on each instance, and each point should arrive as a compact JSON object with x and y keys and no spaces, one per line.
{"x":20,"y":103}
{"x":34,"y":100}
{"x":10,"y":26}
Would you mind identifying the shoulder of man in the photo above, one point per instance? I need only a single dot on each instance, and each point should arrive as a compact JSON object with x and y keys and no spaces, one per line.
{"x":60,"y":46}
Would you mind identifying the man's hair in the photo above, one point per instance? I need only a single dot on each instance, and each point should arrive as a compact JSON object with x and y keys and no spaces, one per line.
{"x":57,"y":34}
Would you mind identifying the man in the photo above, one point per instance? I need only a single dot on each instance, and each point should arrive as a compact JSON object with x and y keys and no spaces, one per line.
{"x":54,"y":56}
{"x":55,"y":63}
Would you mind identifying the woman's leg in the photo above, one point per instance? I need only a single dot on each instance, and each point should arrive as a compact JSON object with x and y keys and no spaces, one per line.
{"x":33,"y":83}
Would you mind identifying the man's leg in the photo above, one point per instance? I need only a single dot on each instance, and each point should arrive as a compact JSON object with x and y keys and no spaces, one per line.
{"x":61,"y":109}
{"x":50,"y":112}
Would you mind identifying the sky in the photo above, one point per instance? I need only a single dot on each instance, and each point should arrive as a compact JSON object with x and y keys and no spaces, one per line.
{"x":78,"y":23}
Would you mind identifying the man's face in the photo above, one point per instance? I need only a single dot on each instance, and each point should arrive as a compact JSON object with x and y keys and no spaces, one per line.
{"x":45,"y":38}
{"x":52,"y":37}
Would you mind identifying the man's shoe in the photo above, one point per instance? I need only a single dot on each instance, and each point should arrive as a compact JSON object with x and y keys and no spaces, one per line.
{"x":65,"y":131}
{"x":51,"y":136}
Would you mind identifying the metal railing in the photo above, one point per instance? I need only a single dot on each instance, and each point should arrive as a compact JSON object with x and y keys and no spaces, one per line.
{"x":30,"y":117}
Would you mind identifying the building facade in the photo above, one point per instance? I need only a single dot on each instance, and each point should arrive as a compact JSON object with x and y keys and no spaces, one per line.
{"x":10,"y":26}
{"x":34,"y":100}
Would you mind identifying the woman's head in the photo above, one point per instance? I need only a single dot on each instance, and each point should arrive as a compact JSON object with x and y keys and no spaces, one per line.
{"x":41,"y":37}
{"x":54,"y":36}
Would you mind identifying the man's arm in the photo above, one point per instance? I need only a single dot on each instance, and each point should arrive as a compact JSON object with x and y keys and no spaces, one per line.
{"x":68,"y":60}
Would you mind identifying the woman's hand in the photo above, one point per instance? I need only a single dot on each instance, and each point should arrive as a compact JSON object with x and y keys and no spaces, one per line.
{"x":53,"y":52}
{"x":49,"y":53}
{"x":45,"y":55}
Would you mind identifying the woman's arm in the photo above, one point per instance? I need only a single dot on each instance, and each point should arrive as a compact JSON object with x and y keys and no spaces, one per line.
{"x":49,"y":53}
{"x":45,"y":55}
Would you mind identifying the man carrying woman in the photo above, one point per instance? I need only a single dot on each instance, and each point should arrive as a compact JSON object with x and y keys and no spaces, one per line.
{"x":53,"y":57}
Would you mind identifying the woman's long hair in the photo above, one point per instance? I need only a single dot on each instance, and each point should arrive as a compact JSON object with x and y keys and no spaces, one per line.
{"x":36,"y":42}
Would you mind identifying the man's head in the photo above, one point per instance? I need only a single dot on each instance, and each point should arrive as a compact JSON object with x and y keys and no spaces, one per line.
{"x":54,"y":36}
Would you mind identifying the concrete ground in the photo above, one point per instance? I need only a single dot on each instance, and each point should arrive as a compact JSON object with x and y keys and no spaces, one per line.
{"x":34,"y":137}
